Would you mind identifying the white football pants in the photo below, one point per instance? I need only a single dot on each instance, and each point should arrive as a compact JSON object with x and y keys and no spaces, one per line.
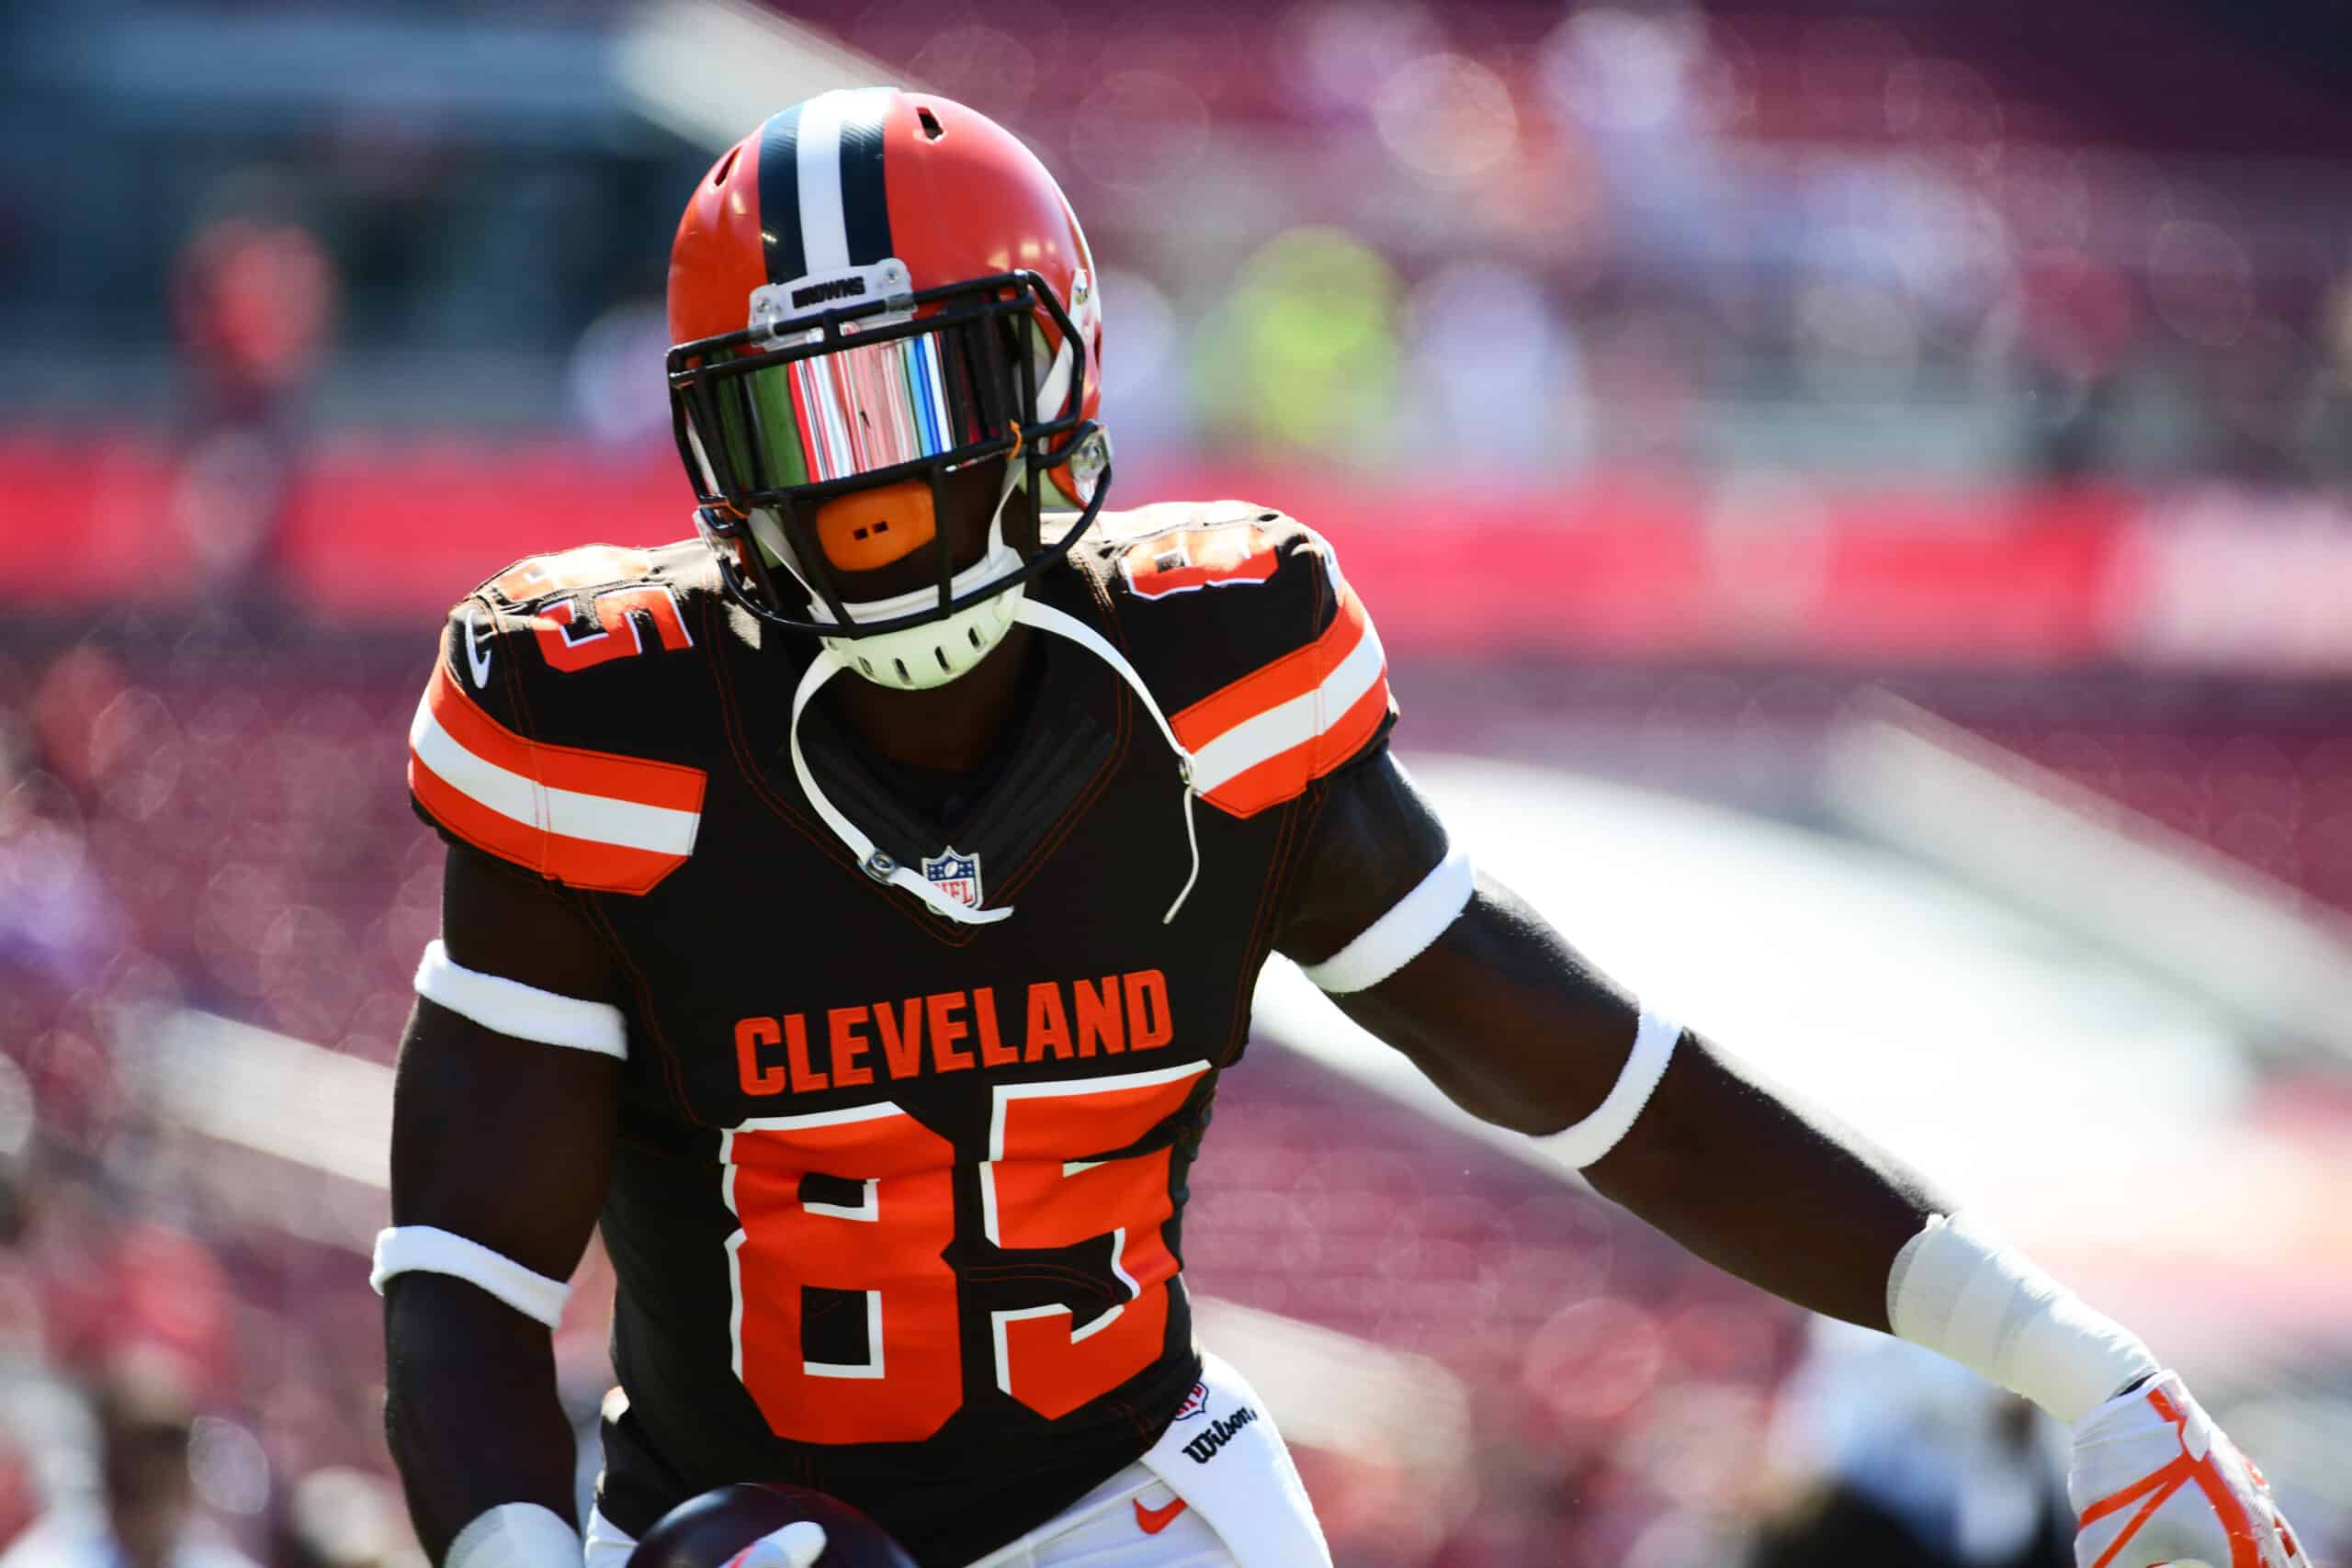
{"x":1221,"y":1459}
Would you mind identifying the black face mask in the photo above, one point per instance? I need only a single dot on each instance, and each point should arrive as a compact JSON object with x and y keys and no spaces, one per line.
{"x":788,"y":415}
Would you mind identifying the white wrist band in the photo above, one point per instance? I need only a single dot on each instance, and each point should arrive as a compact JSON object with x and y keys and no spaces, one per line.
{"x":1582,"y":1143}
{"x":1398,"y":937}
{"x":425,"y":1250}
{"x":515,"y":1535}
{"x":524,"y":1011}
{"x":1956,"y":1289}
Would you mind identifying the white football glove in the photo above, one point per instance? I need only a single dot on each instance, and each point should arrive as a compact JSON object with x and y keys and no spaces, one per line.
{"x":2154,"y":1482}
{"x":795,"y":1546}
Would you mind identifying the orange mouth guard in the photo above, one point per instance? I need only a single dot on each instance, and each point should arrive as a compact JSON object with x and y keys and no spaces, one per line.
{"x":871,"y":528}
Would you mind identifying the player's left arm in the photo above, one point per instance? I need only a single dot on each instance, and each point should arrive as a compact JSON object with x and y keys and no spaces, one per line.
{"x":1515,"y":1026}
{"x":1520,"y":1030}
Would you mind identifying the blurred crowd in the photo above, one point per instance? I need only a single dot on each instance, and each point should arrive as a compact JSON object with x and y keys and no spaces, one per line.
{"x":1451,"y":242}
{"x":1509,"y":238}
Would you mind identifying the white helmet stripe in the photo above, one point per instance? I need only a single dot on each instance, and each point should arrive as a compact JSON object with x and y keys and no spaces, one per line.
{"x":841,"y":207}
{"x":824,"y":239}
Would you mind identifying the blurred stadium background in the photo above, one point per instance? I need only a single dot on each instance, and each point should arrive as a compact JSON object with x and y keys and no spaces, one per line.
{"x":1854,"y":494}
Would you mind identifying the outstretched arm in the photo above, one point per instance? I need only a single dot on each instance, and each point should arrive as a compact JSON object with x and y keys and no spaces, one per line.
{"x":1521,"y":1031}
{"x":502,"y":1129}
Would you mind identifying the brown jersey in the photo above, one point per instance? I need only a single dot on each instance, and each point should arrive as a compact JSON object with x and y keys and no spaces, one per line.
{"x":896,"y":1211}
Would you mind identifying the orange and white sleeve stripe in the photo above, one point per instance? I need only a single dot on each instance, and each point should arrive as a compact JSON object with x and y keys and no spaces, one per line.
{"x":588,"y":819}
{"x":1261,"y":739}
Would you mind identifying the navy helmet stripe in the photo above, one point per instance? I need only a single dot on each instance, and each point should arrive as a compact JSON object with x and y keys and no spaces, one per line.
{"x":866,"y":209}
{"x":779,"y":170}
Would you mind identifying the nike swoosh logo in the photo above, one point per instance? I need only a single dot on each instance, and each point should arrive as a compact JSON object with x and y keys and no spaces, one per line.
{"x":1154,"y":1520}
{"x":477,"y":657}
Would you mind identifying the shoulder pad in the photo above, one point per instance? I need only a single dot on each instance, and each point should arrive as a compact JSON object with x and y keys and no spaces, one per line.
{"x":1243,"y":624}
{"x":600,"y":603}
{"x":487,"y":763}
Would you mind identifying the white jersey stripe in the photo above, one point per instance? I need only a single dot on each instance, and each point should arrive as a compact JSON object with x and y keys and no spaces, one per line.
{"x":599,"y":819}
{"x":1265,"y":736}
{"x":824,"y":236}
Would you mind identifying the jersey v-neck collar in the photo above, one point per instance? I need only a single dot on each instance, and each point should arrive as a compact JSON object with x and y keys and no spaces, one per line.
{"x":1071,"y":736}
{"x":943,"y":798}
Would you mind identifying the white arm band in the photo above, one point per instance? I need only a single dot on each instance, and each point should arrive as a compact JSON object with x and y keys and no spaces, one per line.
{"x":1397,"y":937}
{"x":515,"y":1535}
{"x":524,"y":1011}
{"x":1958,"y":1290}
{"x":1581,"y":1143}
{"x":423,"y":1249}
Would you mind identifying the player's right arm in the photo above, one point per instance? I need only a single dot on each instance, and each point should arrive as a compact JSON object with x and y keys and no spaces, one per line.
{"x":507,"y":1097}
{"x":502,"y":1128}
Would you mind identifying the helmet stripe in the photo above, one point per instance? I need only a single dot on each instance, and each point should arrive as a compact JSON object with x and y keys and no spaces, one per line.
{"x":844,"y":220}
{"x":779,"y":172}
{"x":865,"y":212}
{"x":820,"y":175}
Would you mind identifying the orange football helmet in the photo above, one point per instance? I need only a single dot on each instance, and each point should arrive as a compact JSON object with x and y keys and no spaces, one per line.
{"x":872,"y":292}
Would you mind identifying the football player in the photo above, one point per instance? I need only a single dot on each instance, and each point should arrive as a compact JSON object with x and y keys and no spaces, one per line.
{"x":853,"y":907}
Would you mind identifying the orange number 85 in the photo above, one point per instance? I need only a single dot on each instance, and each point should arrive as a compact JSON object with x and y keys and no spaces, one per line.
{"x":1037,"y":1189}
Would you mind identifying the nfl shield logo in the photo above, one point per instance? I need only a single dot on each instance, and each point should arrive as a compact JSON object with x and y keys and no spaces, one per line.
{"x":957,"y":874}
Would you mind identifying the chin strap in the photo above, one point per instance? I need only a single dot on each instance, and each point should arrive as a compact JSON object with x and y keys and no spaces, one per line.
{"x":870,"y":860}
{"x":1046,"y":619}
{"x":882,"y":868}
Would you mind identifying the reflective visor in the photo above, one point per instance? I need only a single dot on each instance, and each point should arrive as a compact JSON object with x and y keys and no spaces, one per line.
{"x":849,"y":411}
